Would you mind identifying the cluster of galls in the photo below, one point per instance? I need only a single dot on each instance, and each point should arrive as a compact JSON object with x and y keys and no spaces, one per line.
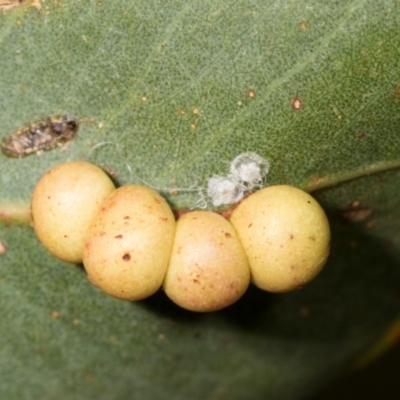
{"x":131,"y":244}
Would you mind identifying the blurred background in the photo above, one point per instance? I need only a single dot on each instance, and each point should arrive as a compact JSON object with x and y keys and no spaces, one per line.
{"x":379,"y":380}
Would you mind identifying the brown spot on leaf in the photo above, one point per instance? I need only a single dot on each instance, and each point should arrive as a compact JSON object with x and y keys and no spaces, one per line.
{"x":228,"y":235}
{"x":317,"y":181}
{"x":303,"y":25}
{"x":396,"y":92}
{"x":118,"y":237}
{"x":296,"y":103}
{"x":354,"y":212}
{"x":126,"y":257}
{"x":251,"y":93}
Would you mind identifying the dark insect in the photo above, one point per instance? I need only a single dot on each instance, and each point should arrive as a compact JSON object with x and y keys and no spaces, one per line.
{"x":43,"y":135}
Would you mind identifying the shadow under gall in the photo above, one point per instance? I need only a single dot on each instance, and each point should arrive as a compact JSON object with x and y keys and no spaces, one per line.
{"x":355,"y":294}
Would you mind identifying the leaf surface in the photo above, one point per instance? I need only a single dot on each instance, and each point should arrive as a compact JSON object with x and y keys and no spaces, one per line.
{"x":168,"y":93}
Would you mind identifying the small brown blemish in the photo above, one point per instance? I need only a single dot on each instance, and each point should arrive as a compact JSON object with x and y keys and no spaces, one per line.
{"x":354,"y":212}
{"x":228,"y":235}
{"x":361,"y":135}
{"x":158,"y":201}
{"x":296,"y":103}
{"x":250,"y":225}
{"x":65,"y":236}
{"x":126,"y":257}
{"x":102,"y":233}
{"x":251,"y":93}
{"x":316,"y":181}
{"x":164,"y":218}
{"x":293,"y":267}
{"x":291,"y":237}
{"x":118,"y":237}
{"x":303,"y":25}
{"x":196,"y":281}
{"x":126,"y":217}
{"x":396,"y":93}
{"x":312,"y":238}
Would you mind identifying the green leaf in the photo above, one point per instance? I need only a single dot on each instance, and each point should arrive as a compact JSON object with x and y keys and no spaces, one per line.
{"x":168,"y":93}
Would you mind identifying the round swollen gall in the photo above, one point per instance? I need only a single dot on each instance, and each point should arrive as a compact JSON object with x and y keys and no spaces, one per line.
{"x":285,"y":234}
{"x":64,"y":202}
{"x":128,"y":245}
{"x":208,"y":269}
